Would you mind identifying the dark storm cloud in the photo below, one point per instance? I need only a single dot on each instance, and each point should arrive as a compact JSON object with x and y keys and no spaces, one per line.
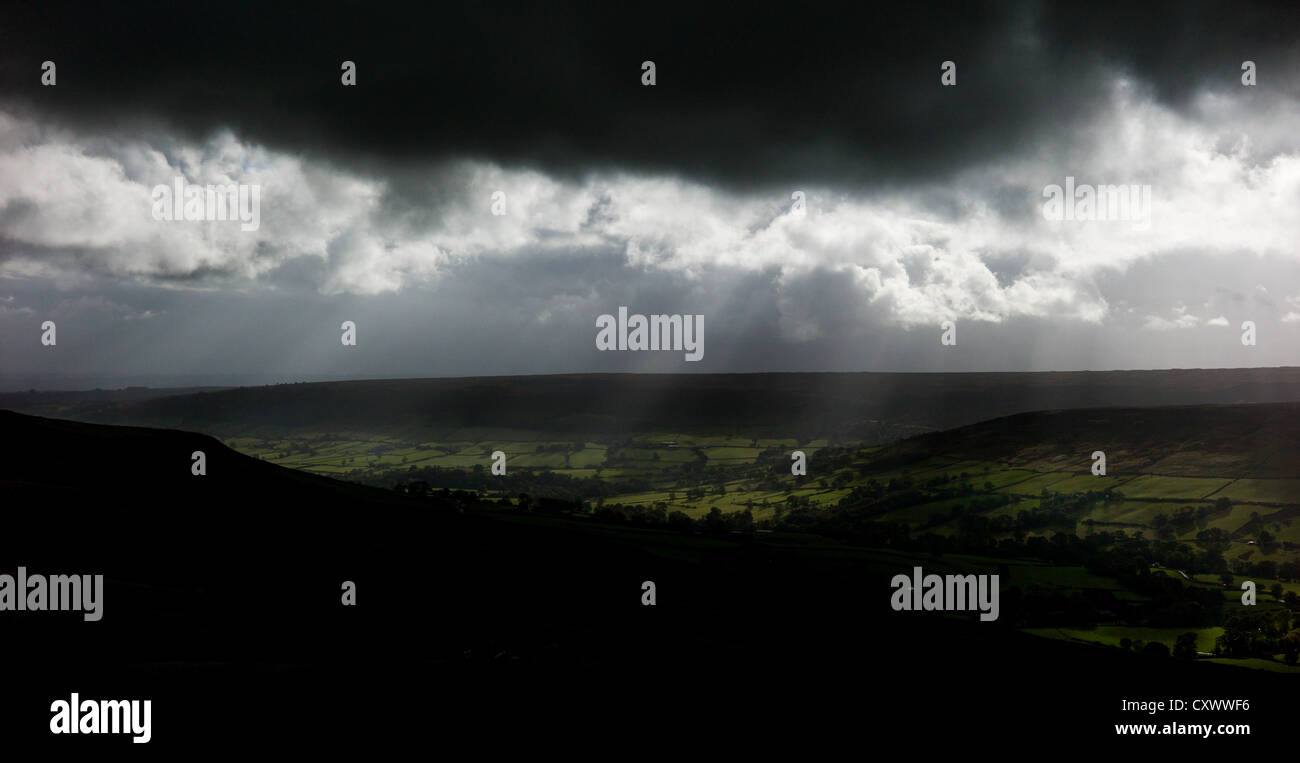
{"x":747,"y":93}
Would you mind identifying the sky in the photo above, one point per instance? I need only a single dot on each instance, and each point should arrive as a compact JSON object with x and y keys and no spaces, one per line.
{"x":813,"y":181}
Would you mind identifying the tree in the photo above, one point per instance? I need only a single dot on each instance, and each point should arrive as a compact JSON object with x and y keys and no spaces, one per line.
{"x":1185,"y":647}
{"x":742,"y":521}
{"x":1291,"y":647}
{"x":1155,"y":649}
{"x":714,"y":522}
{"x":1214,"y":539}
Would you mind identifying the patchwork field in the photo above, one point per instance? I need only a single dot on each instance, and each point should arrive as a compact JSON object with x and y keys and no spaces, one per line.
{"x":1159,"y":486}
{"x":677,"y":467}
{"x":1039,"y":500}
{"x":1263,"y":491}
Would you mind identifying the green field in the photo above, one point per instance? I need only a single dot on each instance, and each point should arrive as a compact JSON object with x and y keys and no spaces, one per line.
{"x":1037,"y":483}
{"x":661,"y":457}
{"x":1258,"y":664}
{"x":1130,"y":512}
{"x":1111,"y":635}
{"x":1263,"y":491}
{"x":1152,"y":486}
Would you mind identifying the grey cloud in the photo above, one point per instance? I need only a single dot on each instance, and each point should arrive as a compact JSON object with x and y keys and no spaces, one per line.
{"x":765,"y":96}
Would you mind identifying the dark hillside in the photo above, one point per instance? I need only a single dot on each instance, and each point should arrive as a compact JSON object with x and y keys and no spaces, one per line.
{"x":1244,"y":441}
{"x":869,"y":406}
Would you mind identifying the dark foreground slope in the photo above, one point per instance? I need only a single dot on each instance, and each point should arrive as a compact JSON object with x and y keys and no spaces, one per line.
{"x":870,"y":406}
{"x":503,"y":632}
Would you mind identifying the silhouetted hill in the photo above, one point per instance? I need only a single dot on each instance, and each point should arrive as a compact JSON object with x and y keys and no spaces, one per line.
{"x":1259,"y":440}
{"x":42,"y":453}
{"x":870,"y":406}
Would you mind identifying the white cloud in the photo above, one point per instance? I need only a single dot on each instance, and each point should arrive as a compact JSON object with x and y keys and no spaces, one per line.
{"x":924,"y":254}
{"x":1180,"y":320}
